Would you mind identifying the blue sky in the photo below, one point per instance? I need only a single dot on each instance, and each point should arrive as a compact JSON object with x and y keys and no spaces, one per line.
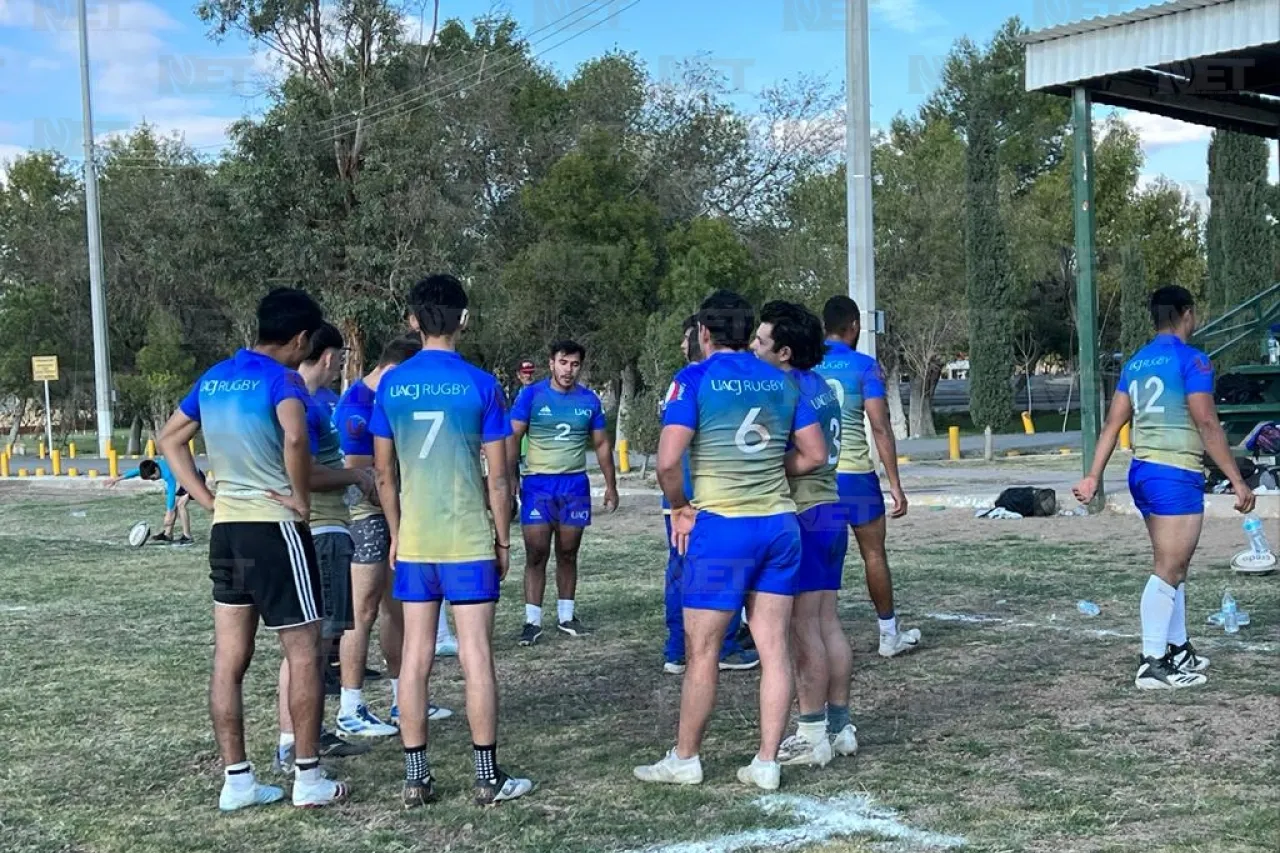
{"x":152,"y":59}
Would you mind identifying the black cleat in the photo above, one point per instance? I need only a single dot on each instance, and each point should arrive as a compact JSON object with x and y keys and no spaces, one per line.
{"x":417,"y":794}
{"x":574,"y":628}
{"x":530,"y":635}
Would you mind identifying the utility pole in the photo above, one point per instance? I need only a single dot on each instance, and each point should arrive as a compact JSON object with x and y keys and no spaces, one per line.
{"x":862,"y":269}
{"x":97,"y":296}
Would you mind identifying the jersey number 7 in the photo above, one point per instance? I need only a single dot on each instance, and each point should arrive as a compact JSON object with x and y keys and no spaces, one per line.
{"x":436,"y":420}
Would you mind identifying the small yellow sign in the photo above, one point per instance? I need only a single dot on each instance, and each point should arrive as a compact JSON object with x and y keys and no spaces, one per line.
{"x":44,"y":368}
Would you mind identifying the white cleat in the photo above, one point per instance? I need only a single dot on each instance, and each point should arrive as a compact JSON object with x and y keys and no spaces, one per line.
{"x":319,"y":793}
{"x":766,"y":775}
{"x":797,"y":751}
{"x":846,"y":742}
{"x":672,"y":770}
{"x":231,"y":800}
{"x":892,"y":645}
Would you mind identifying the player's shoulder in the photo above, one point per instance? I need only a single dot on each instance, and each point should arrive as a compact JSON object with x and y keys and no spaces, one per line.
{"x":587,"y":393}
{"x":1190,"y":358}
{"x":691,"y":375}
{"x":485,"y":382}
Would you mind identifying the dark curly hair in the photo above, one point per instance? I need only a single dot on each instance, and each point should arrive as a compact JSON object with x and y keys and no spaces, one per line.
{"x":796,"y":327}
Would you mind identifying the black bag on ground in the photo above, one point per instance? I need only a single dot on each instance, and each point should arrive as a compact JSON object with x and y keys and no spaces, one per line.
{"x":1029,"y":501}
{"x":1249,"y":470}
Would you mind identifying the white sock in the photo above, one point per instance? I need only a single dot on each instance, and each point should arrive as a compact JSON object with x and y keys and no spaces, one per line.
{"x":286,"y":740}
{"x":533,"y":615}
{"x":310,"y":776}
{"x":395,"y":691}
{"x":351,"y":701}
{"x":813,"y":732}
{"x":1178,"y":622}
{"x":888,"y":627}
{"x":564,"y":609}
{"x":1157,"y":612}
{"x":744,"y":616}
{"x":236,"y":780}
{"x":442,"y":626}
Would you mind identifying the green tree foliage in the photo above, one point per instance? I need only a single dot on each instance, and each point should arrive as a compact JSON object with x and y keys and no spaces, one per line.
{"x":1135,"y":291}
{"x":990,"y":287}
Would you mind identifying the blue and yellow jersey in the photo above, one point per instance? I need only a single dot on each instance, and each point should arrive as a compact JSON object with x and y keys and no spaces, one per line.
{"x":743,"y":412}
{"x":1158,"y":380}
{"x":819,"y":487}
{"x":327,"y":508}
{"x":685,"y":469}
{"x":235,"y":403}
{"x":440,"y":410}
{"x":351,"y":419}
{"x":855,"y":377}
{"x":560,"y":426}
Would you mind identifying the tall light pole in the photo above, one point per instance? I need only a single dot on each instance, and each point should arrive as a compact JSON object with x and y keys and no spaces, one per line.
{"x":97,"y":297}
{"x":862,"y":267}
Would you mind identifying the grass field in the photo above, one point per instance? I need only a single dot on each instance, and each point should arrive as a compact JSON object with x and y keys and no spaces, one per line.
{"x":1015,"y":728}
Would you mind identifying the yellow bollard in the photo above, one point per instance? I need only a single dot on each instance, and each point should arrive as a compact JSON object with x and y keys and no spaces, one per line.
{"x":953,"y":443}
{"x":55,"y":457}
{"x":93,"y":472}
{"x":41,"y":446}
{"x":71,"y":450}
{"x":39,"y":472}
{"x":1028,"y":425}
{"x":903,"y":460}
{"x":624,"y":456}
{"x":113,"y":463}
{"x":151,"y":448}
{"x":73,"y":472}
{"x":1126,"y":437}
{"x":22,"y":472}
{"x":4,"y":464}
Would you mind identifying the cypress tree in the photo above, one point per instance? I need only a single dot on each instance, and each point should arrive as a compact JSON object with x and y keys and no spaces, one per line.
{"x":990,"y":288}
{"x":1238,"y":173}
{"x":1135,"y":293}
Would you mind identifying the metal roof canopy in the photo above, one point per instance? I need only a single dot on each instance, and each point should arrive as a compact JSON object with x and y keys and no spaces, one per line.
{"x":1209,"y":62}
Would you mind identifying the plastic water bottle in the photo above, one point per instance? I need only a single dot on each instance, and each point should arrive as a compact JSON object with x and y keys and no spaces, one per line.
{"x":1088,"y":608}
{"x":1257,"y":539}
{"x":1230,"y":614}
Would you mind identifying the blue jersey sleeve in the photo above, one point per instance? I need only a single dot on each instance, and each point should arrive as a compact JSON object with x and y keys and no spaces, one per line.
{"x":598,"y":421}
{"x":289,"y":386}
{"x":522,"y":408}
{"x":317,"y":424}
{"x":681,"y":407}
{"x":496,"y":426}
{"x":1197,"y":373}
{"x":379,"y":425}
{"x":190,"y":405}
{"x":873,"y":382}
{"x":353,"y":432}
{"x":805,"y":416}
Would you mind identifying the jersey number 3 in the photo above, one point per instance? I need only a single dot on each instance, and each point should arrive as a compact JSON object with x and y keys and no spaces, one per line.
{"x":1156,"y":386}
{"x":436,"y":419}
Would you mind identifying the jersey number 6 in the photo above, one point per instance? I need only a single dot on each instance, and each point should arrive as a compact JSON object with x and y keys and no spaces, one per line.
{"x":751,"y":428}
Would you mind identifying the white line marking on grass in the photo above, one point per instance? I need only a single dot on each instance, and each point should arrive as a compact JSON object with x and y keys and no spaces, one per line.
{"x":12,"y":608}
{"x":980,"y":619}
{"x":818,"y":821}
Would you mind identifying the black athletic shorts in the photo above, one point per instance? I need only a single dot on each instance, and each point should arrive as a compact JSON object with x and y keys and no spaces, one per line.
{"x":270,"y":565}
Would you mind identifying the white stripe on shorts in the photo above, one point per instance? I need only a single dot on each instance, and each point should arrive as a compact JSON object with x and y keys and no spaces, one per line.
{"x":301,"y":575}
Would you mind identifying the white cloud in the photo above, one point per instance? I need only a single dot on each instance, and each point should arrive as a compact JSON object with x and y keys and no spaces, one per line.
{"x":909,"y":16}
{"x":1158,"y":131}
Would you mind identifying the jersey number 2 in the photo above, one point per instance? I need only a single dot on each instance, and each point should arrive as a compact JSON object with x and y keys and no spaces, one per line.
{"x":436,"y":419}
{"x":1156,"y":386}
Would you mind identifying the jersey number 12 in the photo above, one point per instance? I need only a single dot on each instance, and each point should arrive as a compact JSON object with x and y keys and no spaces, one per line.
{"x":1156,"y":386}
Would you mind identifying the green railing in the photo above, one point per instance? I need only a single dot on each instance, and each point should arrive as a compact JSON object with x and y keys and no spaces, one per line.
{"x":1250,"y":319}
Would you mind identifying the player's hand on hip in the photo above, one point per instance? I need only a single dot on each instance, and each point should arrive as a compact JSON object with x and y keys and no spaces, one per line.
{"x":610,"y":499}
{"x":293,"y":502}
{"x":1245,"y":499}
{"x":682,"y":521}
{"x":1085,"y":489}
{"x":393,"y":550}
{"x":899,"y":498}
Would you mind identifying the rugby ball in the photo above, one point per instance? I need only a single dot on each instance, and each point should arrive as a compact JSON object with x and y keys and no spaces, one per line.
{"x":139,"y":533}
{"x":1249,"y":563}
